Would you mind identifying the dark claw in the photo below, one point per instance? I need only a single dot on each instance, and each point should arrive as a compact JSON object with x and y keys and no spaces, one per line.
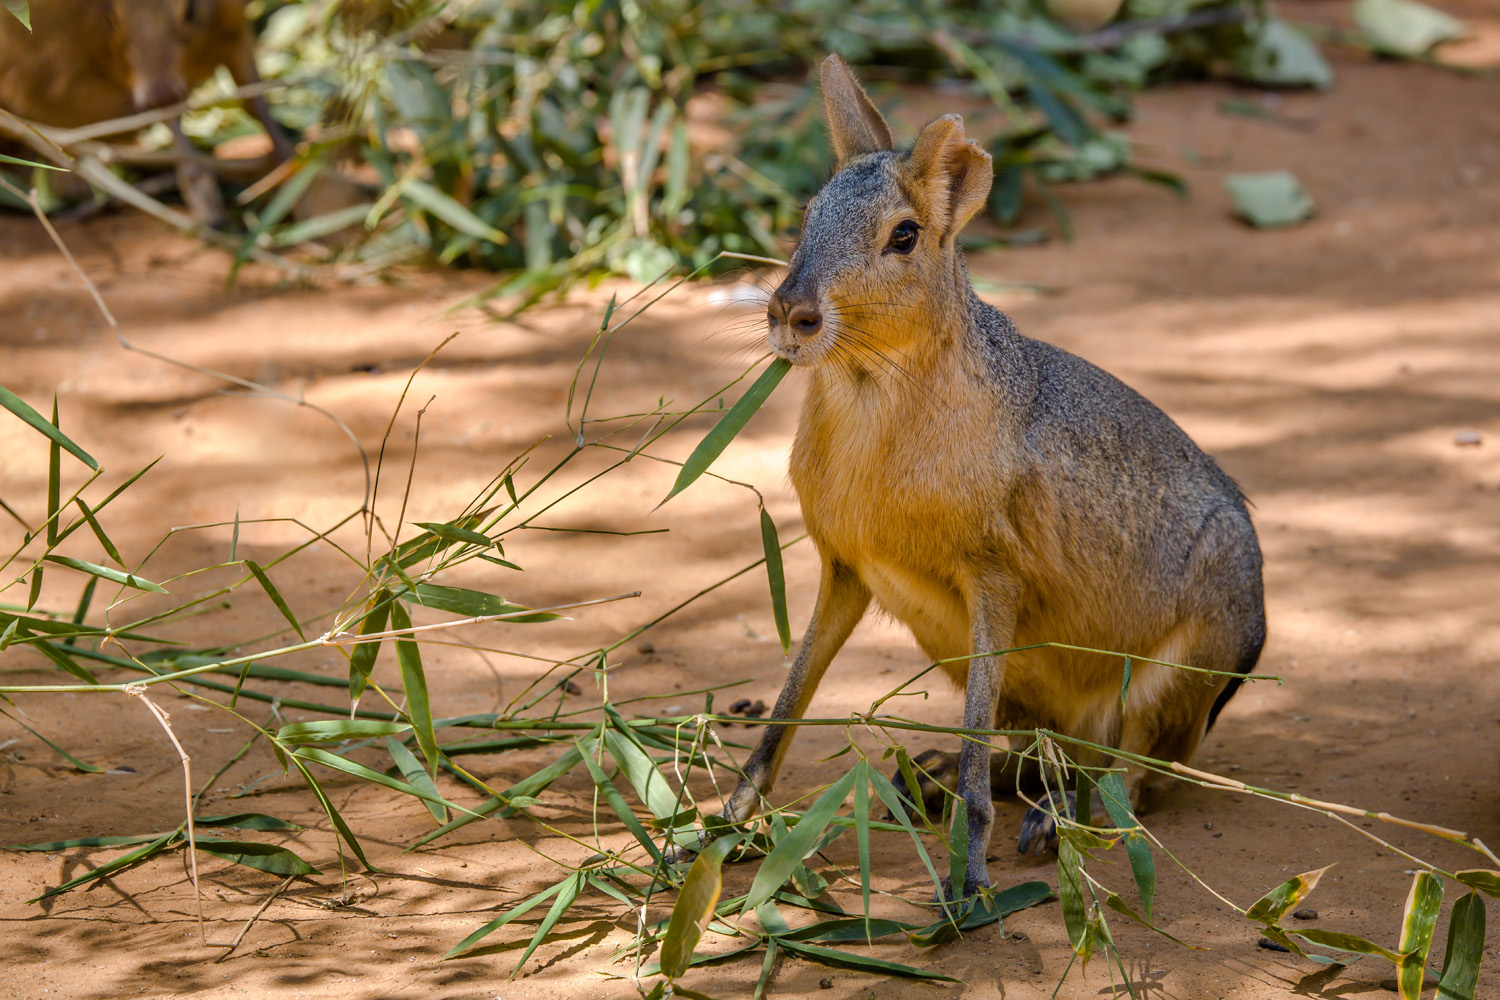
{"x":1039,"y":825}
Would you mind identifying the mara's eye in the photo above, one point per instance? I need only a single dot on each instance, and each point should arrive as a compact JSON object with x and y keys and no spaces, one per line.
{"x":903,"y":237}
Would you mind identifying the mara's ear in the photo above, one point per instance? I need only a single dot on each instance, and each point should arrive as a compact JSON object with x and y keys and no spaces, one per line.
{"x":951,"y":174}
{"x":853,"y":123}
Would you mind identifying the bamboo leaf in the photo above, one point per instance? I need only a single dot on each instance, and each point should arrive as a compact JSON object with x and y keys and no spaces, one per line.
{"x":777,"y":578}
{"x":430,"y":199}
{"x":275,"y":596}
{"x":414,"y":683}
{"x":472,"y":603}
{"x":525,"y":788}
{"x":22,"y":13}
{"x":617,"y":802}
{"x":848,"y":960}
{"x":1487,"y":882}
{"x":1418,"y":921}
{"x":20,"y":408}
{"x":86,"y":768}
{"x":1270,"y":908}
{"x":642,"y":774}
{"x":1070,"y":891}
{"x":104,"y":572}
{"x":336,"y":730}
{"x":788,"y":854}
{"x":571,"y":887}
{"x":1117,"y":803}
{"x":887,"y":793}
{"x":247,"y":821}
{"x":109,"y":546}
{"x":982,"y":911}
{"x":333,"y":760}
{"x":1114,"y":902}
{"x":454,"y":533}
{"x":110,"y":867}
{"x":1465,"y":949}
{"x":411,"y":769}
{"x":728,"y":426}
{"x":263,"y":857}
{"x":519,"y":910}
{"x":362,"y":660}
{"x":695,"y":905}
{"x":1347,"y":942}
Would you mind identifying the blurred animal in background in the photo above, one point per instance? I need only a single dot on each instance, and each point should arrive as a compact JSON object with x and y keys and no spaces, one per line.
{"x":88,"y":61}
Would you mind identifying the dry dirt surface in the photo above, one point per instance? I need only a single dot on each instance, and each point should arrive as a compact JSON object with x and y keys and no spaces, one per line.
{"x":1333,"y":369}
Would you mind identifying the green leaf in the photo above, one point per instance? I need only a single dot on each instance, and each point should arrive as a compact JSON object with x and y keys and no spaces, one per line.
{"x":569,"y":892}
{"x":414,"y":683}
{"x":642,"y":774}
{"x":333,"y":760}
{"x":1270,"y":908}
{"x":1117,"y":803}
{"x":1404,"y":27}
{"x":362,"y":660}
{"x":336,"y":730}
{"x":333,"y":814}
{"x":1418,"y":921}
{"x":1282,"y":56}
{"x":275,"y":596}
{"x":777,"y":578}
{"x":1271,"y":199}
{"x":53,"y":846}
{"x":728,"y":426}
{"x":86,"y":768}
{"x":850,"y":929}
{"x":848,"y":960}
{"x":1465,"y":950}
{"x":109,"y":546}
{"x":52,"y":652}
{"x":22,"y":14}
{"x":981,"y":911}
{"x":1487,"y":882}
{"x":472,"y":603}
{"x":104,"y":572}
{"x":429,"y":198}
{"x":616,"y":802}
{"x":519,"y":910}
{"x":525,"y":788}
{"x":263,"y":857}
{"x":247,"y":821}
{"x":110,"y":867}
{"x":892,"y":799}
{"x":1070,"y":891}
{"x":862,"y":828}
{"x":1347,"y":942}
{"x":1114,"y":902}
{"x":695,"y":906}
{"x":411,"y":769}
{"x":787,"y":855}
{"x":454,"y":533}
{"x":19,"y":407}
{"x":767,"y":966}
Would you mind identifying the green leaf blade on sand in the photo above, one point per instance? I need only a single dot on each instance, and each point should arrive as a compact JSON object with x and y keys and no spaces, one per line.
{"x":1270,"y":200}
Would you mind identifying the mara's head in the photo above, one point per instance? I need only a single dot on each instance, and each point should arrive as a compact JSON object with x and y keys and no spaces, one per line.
{"x":877,"y":271}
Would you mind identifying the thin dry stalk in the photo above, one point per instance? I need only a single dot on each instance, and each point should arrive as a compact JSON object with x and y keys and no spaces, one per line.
{"x":138,"y":691}
{"x":231,"y":946}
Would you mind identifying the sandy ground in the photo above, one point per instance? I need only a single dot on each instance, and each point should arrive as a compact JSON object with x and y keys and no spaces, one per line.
{"x":1331,"y":368}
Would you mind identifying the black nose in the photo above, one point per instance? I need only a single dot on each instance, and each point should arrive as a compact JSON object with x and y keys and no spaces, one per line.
{"x":803,"y":319}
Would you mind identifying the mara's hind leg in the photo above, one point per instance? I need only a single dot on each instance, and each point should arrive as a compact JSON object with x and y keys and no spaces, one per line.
{"x":1170,"y":709}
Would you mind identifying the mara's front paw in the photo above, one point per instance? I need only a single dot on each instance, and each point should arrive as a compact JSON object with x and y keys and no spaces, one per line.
{"x":1039,"y":825}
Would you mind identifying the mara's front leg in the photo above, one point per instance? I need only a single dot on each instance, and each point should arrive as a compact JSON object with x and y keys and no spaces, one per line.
{"x":842,"y":600}
{"x":993,"y":609}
